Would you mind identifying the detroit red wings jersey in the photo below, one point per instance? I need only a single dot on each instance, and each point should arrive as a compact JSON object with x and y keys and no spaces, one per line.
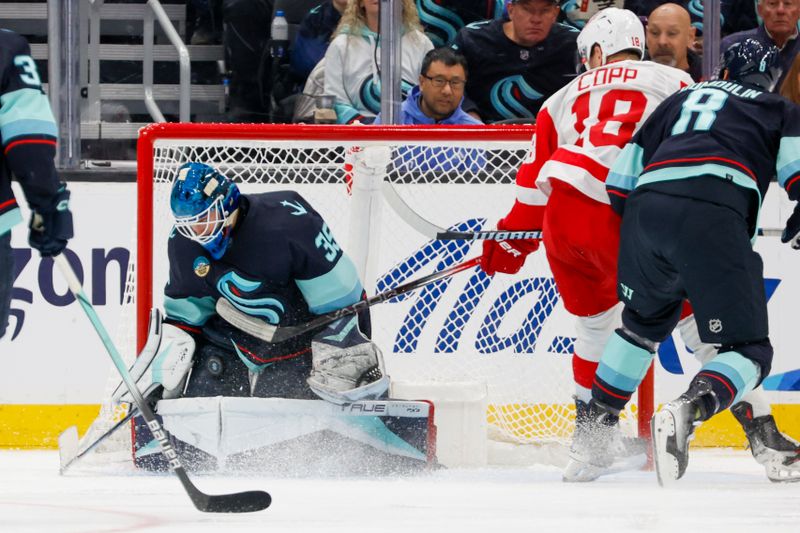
{"x":582,"y":128}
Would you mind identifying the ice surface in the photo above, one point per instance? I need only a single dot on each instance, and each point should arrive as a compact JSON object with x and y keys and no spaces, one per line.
{"x":723,"y":491}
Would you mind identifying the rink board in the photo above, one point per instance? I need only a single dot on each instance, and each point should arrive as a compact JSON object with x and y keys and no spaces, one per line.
{"x":56,"y":370}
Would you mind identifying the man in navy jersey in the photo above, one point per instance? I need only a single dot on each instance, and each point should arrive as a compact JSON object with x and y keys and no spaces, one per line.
{"x":516,"y":64}
{"x":691,"y":184}
{"x":28,"y":136}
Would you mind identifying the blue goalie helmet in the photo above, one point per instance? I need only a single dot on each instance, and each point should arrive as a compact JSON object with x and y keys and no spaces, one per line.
{"x":751,"y":62}
{"x":203,"y":202}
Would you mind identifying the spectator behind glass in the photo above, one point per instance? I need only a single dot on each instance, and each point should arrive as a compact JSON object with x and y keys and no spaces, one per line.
{"x":437,"y":99}
{"x":779,"y":28}
{"x":518,"y":63}
{"x":443,"y":18}
{"x":670,"y":36}
{"x":352,"y":69}
{"x":735,"y":15}
{"x":790,"y":88}
{"x":313,"y":36}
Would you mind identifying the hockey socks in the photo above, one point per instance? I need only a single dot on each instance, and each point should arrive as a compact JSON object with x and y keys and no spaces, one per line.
{"x":622,"y":368}
{"x":731,"y":376}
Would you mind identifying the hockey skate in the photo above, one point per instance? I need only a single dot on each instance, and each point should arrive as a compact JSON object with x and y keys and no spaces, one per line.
{"x":598,"y":446}
{"x":778,"y":454}
{"x":673,"y":427}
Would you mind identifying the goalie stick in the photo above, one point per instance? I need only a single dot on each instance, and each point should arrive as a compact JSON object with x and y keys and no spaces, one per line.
{"x":68,"y":442}
{"x":432,"y":231}
{"x":270,"y":333}
{"x":240,"y":502}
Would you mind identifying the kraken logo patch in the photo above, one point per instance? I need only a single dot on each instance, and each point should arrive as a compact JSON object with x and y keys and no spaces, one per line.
{"x":201,"y":266}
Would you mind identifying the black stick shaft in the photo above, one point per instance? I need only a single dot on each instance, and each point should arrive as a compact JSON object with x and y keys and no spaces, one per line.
{"x":287,"y":332}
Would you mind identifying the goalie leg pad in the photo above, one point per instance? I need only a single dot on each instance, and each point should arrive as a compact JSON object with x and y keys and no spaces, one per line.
{"x":346,"y":366}
{"x":164,"y":362}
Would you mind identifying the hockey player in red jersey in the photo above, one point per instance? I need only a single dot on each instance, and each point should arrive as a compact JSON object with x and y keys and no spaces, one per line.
{"x":580,"y":130}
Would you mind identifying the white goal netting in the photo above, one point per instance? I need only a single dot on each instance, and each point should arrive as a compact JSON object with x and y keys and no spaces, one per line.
{"x":509,"y":332}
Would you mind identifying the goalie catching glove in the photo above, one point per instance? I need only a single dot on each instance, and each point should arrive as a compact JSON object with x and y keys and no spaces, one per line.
{"x":346,"y":366}
{"x":164,"y":362}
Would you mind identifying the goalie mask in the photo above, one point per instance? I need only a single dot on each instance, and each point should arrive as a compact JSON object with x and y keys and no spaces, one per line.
{"x":614,"y":30}
{"x":204,"y":204}
{"x":751,"y":62}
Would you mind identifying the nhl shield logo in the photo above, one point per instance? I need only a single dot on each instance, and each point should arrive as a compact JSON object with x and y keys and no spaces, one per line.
{"x":524,"y":55}
{"x":715,"y":325}
{"x":201,"y":266}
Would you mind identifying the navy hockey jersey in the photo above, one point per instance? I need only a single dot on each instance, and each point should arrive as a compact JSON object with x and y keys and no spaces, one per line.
{"x":27,"y":131}
{"x":507,"y":80}
{"x":283,"y":265}
{"x":717,"y":141}
{"x":443,"y":18}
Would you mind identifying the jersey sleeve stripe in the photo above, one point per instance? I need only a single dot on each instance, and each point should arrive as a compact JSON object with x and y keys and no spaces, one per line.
{"x":690,"y":160}
{"x":26,"y":112}
{"x":9,"y":219}
{"x":788,"y":165}
{"x":192,"y":310}
{"x":626,"y":168}
{"x":29,"y":141}
{"x":337,"y":288}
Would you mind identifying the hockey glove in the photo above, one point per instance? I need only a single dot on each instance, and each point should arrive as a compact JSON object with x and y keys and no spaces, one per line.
{"x":346,"y":366}
{"x":506,"y":256}
{"x":51,"y":225}
{"x":791,"y":233}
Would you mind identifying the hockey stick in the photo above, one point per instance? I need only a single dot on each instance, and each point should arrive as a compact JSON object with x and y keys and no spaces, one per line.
{"x":269,"y":333}
{"x":432,"y":231}
{"x":68,"y":453}
{"x":241,"y":502}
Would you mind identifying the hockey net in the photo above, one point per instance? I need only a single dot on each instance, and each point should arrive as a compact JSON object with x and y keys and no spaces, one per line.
{"x":509,"y":332}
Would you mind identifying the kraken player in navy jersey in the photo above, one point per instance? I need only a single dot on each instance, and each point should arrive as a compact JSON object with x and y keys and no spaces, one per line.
{"x":274,"y":259}
{"x":691,"y":184}
{"x":28,"y":135}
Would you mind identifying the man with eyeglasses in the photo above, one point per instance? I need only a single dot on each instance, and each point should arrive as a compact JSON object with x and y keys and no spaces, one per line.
{"x":437,"y":99}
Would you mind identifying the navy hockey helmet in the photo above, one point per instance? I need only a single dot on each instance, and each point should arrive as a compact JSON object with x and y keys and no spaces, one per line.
{"x":752,"y":62}
{"x":204,"y":203}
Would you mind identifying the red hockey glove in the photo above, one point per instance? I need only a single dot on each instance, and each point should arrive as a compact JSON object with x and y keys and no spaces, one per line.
{"x":506,"y":256}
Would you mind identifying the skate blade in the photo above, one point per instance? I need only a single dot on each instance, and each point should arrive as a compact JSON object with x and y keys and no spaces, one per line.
{"x":662,"y":427}
{"x":777,"y":472}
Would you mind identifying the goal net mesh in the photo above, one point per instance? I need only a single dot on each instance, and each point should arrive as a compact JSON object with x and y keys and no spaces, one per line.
{"x":510,"y":332}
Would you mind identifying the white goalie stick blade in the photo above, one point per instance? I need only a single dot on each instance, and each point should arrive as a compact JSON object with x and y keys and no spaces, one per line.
{"x":434,"y":232}
{"x":67,"y":448}
{"x":244,"y":322}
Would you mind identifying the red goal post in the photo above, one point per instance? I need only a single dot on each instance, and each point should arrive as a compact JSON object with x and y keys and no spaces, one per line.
{"x":510,"y":330}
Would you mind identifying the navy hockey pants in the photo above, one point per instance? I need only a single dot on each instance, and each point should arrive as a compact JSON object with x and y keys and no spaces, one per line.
{"x":674,"y":248}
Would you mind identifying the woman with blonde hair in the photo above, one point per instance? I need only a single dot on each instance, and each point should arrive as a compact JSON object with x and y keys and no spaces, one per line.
{"x":352,"y":61}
